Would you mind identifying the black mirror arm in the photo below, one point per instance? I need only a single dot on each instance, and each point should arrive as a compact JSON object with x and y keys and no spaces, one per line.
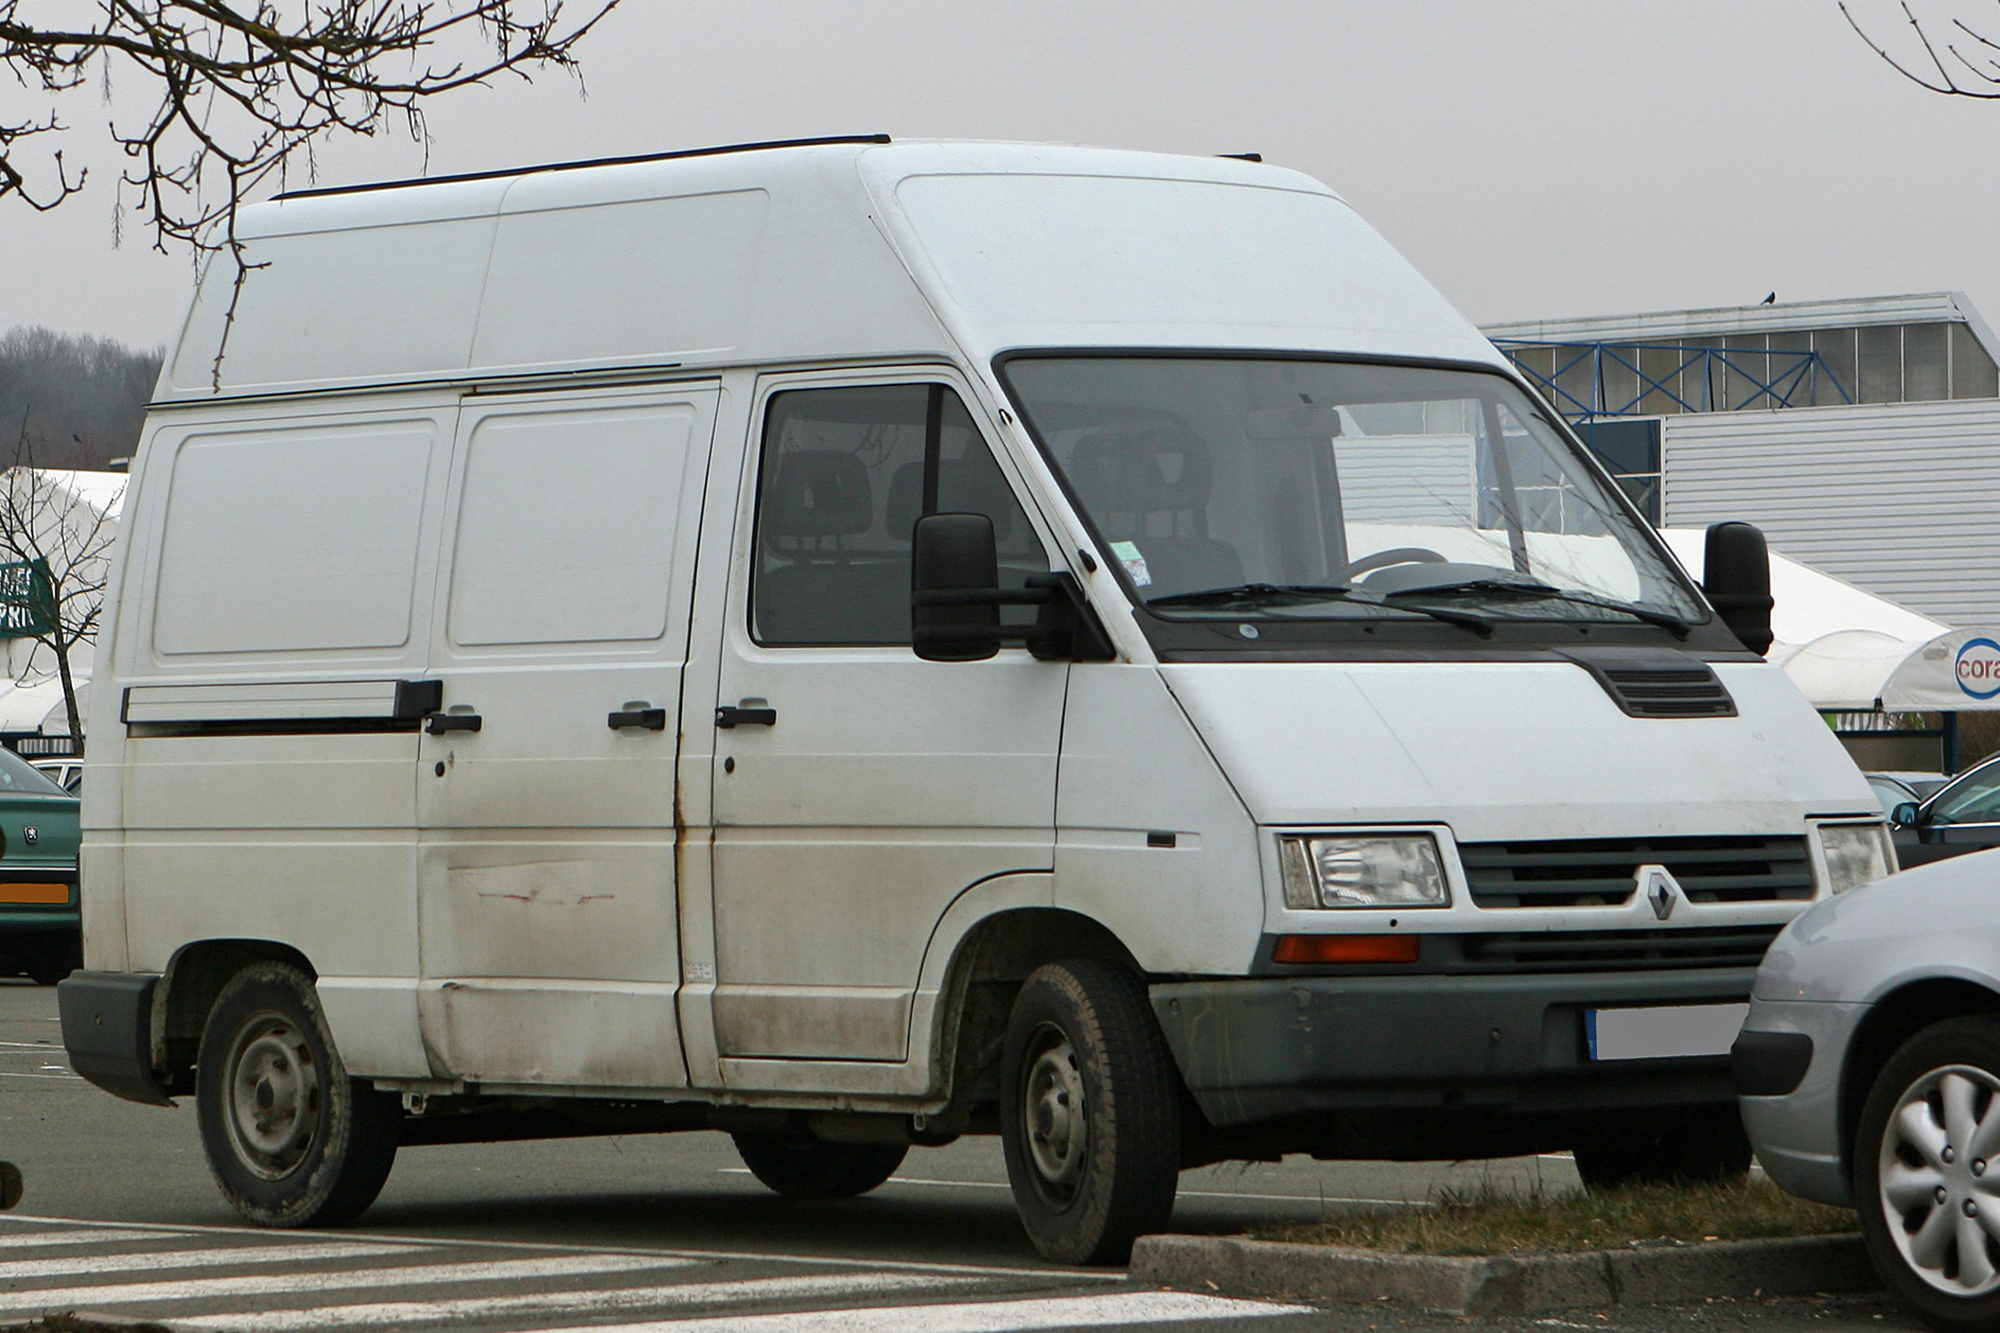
{"x":1066,"y":630}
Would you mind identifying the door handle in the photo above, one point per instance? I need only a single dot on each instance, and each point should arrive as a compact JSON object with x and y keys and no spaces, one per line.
{"x":437,"y":724}
{"x":729,"y":716}
{"x":652,"y":719}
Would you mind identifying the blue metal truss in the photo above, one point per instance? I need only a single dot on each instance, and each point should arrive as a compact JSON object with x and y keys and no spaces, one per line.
{"x":1777,"y":382}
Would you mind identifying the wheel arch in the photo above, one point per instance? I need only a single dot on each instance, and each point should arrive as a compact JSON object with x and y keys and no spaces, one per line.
{"x":1890,"y":1021}
{"x":990,"y":959}
{"x":187,"y":990}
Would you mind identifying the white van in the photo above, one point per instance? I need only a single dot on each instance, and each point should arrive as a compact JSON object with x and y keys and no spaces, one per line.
{"x":856,"y":643}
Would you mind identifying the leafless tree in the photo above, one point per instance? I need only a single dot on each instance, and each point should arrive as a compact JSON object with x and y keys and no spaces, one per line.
{"x":235,"y":91}
{"x":80,"y":401}
{"x":55,"y":554}
{"x":1957,"y":53}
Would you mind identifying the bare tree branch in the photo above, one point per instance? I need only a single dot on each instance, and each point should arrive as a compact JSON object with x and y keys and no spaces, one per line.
{"x":236,"y":87}
{"x":1960,"y":75}
{"x":58,"y":536}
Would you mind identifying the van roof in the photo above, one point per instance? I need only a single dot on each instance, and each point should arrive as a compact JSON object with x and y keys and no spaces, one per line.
{"x":834,"y":249}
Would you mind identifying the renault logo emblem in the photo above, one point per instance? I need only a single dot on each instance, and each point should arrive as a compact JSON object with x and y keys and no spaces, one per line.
{"x":1656,"y":884}
{"x":31,"y":835}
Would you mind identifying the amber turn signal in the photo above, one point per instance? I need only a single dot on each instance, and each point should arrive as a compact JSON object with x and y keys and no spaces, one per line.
{"x":1346,"y":949}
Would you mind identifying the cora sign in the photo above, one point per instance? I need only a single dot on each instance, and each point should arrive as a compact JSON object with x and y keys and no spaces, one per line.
{"x":1978,"y":668}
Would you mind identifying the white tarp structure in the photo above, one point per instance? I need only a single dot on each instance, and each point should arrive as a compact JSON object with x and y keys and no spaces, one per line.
{"x":1851,"y":651}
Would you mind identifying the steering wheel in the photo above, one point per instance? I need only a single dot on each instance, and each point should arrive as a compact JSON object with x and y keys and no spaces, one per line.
{"x":1397,"y":555}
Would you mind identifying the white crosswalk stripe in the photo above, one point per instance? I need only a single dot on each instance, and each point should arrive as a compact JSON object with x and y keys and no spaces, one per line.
{"x":273,"y":1284}
{"x":217,"y":1257}
{"x":397,"y":1313}
{"x":309,"y":1284}
{"x":34,"y":1240}
{"x":1121,"y":1310}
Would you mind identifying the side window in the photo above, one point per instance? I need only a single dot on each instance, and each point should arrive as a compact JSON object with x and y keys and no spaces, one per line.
{"x":845,"y":474}
{"x":1976,"y":802}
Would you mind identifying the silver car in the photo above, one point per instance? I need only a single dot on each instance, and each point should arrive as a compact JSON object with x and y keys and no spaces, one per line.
{"x":1869,"y":1075}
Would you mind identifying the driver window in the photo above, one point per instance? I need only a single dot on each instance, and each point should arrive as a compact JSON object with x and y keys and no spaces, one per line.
{"x":845,"y":474}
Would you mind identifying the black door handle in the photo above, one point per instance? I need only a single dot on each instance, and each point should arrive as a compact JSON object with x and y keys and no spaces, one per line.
{"x":730,"y":716}
{"x":437,"y":724}
{"x":652,"y":719}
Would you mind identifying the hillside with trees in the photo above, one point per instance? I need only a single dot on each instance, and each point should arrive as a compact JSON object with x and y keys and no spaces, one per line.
{"x":71,"y":402}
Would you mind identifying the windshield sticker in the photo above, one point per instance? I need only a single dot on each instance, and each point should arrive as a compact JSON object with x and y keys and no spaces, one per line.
{"x":1135,"y":564}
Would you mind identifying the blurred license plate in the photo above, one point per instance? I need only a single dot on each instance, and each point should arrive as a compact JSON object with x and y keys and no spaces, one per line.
{"x":1655,"y":1034}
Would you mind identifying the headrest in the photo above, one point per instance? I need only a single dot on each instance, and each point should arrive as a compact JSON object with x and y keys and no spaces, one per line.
{"x":1142,"y":472}
{"x":969,"y":485}
{"x":819,"y":493}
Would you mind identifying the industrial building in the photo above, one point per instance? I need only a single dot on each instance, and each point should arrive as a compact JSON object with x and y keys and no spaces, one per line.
{"x":1863,"y":436}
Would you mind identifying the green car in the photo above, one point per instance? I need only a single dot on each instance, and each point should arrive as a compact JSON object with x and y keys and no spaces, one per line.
{"x":40,"y":920}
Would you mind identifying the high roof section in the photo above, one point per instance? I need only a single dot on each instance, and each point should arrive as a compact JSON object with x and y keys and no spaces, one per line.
{"x":835,"y":250}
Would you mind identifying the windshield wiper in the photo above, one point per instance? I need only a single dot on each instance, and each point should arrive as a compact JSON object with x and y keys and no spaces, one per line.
{"x":1265,"y":593}
{"x":1543,"y":591}
{"x":1254,"y":592}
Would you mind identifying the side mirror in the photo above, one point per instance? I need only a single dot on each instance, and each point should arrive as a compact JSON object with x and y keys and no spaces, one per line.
{"x":1904,"y":815}
{"x":954,"y":588}
{"x":1736,"y":575}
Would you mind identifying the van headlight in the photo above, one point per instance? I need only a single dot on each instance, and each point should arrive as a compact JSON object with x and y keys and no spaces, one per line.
{"x":1856,"y":854}
{"x":1363,"y":870}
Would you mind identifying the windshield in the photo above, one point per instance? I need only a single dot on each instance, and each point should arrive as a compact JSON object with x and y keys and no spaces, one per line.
{"x":1280,"y":489}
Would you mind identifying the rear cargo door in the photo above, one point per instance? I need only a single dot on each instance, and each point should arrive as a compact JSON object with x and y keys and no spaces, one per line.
{"x":545,"y":798}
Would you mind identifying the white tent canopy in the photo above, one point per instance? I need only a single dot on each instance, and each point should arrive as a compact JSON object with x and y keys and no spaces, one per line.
{"x":1851,"y":651}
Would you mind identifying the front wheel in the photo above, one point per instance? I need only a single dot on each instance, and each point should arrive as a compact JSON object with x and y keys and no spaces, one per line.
{"x":291,"y":1139}
{"x":1089,"y":1113}
{"x":1927,"y":1173}
{"x":815,"y":1169}
{"x":1695,"y":1145}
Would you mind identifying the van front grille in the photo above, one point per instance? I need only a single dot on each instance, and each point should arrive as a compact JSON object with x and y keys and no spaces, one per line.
{"x":1635,"y":950}
{"x":1602,"y":872}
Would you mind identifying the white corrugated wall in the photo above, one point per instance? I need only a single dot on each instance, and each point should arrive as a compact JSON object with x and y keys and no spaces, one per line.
{"x":1900,"y":499}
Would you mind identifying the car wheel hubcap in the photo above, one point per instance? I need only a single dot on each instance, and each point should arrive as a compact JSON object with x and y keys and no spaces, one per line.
{"x":1053,"y":1113}
{"x":1942,"y":1212}
{"x":274,"y":1097}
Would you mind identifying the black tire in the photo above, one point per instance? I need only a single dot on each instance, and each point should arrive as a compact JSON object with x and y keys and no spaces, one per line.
{"x":1696,"y":1145}
{"x":50,"y":963}
{"x":1088,"y":1182}
{"x":321,"y":1151}
{"x":816,"y":1169}
{"x":1951,"y":1295}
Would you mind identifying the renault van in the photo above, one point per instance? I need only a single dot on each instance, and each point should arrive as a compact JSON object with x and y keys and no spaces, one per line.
{"x":855,"y":644}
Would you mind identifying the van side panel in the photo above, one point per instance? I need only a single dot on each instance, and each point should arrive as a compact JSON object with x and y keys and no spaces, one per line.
{"x":1135,"y":775}
{"x":267,"y":784}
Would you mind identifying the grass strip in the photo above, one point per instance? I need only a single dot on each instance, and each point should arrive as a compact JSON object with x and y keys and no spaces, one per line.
{"x":1489,"y":1220}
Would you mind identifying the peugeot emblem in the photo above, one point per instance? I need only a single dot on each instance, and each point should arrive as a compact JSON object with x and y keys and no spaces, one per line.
{"x":1659,"y":890}
{"x":31,"y":835}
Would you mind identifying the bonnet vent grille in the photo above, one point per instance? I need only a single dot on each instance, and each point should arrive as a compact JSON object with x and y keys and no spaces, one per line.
{"x":1646,"y":682}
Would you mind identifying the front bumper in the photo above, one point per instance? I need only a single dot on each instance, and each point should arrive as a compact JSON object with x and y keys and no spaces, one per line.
{"x":1260,"y":1049}
{"x":1797,"y":1133}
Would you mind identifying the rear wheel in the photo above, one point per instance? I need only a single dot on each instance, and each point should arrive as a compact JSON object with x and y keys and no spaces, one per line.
{"x":816,"y":1169}
{"x":1089,"y":1113}
{"x":1695,"y":1145}
{"x":291,"y":1139}
{"x":1927,"y":1173}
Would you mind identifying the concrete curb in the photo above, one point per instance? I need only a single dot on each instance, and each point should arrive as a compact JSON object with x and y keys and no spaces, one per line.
{"x":1505,"y":1284}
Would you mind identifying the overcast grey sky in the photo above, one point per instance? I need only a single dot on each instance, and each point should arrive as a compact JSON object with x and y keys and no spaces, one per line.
{"x":1562,"y":157}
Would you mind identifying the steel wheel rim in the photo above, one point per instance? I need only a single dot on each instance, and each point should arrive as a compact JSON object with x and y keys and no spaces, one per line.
{"x":1054,"y":1116}
{"x":274,"y":1098}
{"x":1939,"y":1179}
